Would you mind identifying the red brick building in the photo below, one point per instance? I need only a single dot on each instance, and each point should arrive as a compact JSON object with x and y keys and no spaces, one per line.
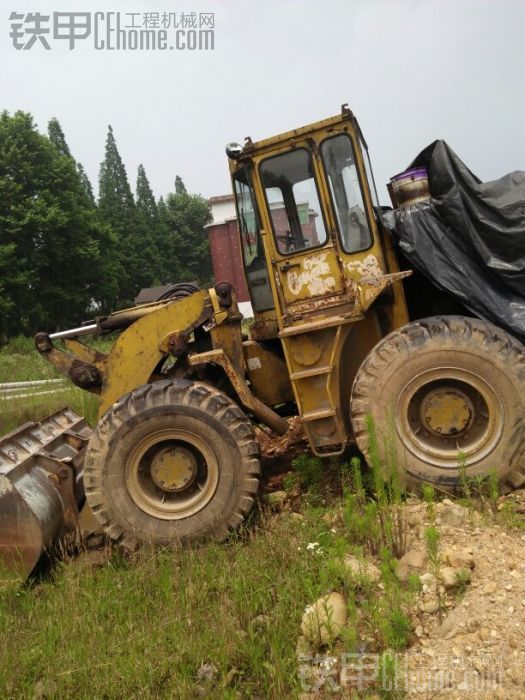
{"x":225,"y":247}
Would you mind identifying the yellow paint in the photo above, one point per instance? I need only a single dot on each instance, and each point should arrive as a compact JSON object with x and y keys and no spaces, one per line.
{"x":325,"y":317}
{"x":314,"y":288}
{"x":136,"y":352}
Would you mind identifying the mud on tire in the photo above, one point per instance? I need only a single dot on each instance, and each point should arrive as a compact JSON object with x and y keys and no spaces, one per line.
{"x":172,"y":461}
{"x":442,"y":386}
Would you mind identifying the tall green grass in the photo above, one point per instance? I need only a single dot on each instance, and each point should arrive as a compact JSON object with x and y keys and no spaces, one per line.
{"x":20,"y":362}
{"x":144,"y":627}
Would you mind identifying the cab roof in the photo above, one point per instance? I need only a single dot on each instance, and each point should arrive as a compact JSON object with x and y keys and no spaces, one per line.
{"x":250,"y":147}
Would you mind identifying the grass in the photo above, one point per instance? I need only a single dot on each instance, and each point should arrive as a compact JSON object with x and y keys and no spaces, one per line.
{"x":147,"y":626}
{"x":220,"y":621}
{"x":14,"y":413}
{"x":143,"y":628}
{"x":217,"y":621}
{"x":20,"y":362}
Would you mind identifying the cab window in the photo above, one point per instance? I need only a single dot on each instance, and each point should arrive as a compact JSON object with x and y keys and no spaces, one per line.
{"x":345,"y":190}
{"x":293,"y":201}
{"x":252,"y":247}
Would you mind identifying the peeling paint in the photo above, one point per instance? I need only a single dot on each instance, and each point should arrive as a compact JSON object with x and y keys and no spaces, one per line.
{"x":5,"y":486}
{"x":315,"y":275}
{"x":368,"y":267}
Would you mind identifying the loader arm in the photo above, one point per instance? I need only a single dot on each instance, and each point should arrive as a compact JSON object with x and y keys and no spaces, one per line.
{"x":151,"y":336}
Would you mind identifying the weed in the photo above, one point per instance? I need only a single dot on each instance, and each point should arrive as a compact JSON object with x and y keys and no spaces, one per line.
{"x":389,"y":677}
{"x":379,"y":521}
{"x":464,"y":481}
{"x":508,"y":516}
{"x":429,"y":496}
{"x":309,"y":471}
{"x":434,"y":558}
{"x":462,"y":581}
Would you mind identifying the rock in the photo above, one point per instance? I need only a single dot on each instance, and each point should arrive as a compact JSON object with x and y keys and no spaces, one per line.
{"x":323,"y":621}
{"x":472,"y":624}
{"x":452,"y":578}
{"x":429,"y":606}
{"x":419,"y":631}
{"x":517,"y":673}
{"x":361,"y":567}
{"x":275,"y":499}
{"x":484,"y":633}
{"x":449,"y":625}
{"x":452,"y":514}
{"x":448,"y":576}
{"x":491,"y":588}
{"x":413,"y":561}
{"x":414,"y":519}
{"x":427,"y":579}
{"x":462,"y":559}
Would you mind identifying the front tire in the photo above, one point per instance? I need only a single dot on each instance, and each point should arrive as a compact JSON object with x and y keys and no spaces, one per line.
{"x":173,"y":461}
{"x":439,"y":388}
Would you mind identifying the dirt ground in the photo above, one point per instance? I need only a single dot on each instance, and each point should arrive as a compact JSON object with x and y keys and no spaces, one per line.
{"x":477,"y":647}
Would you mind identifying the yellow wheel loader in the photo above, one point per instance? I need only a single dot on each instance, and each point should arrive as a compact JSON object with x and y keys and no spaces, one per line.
{"x":174,"y":456}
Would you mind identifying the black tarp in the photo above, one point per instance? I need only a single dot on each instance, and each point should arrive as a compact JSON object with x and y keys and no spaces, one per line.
{"x":469,"y":238}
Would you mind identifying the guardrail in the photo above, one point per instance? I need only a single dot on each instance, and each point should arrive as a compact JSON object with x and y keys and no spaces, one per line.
{"x":9,"y":391}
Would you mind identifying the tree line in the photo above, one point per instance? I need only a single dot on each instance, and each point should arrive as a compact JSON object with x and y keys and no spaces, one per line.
{"x":66,"y":255}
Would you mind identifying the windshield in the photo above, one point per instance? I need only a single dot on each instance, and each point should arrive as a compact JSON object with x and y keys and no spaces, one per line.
{"x":251,"y":243}
{"x":345,"y":190}
{"x":293,"y":201}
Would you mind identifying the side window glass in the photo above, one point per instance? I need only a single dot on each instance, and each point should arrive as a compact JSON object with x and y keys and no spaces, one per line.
{"x":345,"y":190}
{"x":293,"y":201}
{"x":252,"y":247}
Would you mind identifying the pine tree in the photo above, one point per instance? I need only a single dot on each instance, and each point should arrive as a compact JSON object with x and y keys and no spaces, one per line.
{"x":135,"y":248}
{"x":180,"y":187}
{"x":86,"y":184}
{"x":57,"y":138}
{"x":114,"y":191}
{"x":56,"y":135}
{"x":144,"y":195}
{"x":153,"y":227}
{"x":104,"y":275}
{"x":50,"y":241}
{"x":186,"y":216}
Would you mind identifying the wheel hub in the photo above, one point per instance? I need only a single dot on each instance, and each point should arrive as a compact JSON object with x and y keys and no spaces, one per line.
{"x":446,"y":411}
{"x":172,"y":473}
{"x":174,"y":469}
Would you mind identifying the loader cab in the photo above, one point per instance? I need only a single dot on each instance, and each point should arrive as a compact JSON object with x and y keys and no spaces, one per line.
{"x":305,"y":204}
{"x":321,"y":277}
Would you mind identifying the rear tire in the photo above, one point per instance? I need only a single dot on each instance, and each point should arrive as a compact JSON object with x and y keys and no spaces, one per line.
{"x":439,"y":387}
{"x":173,"y":461}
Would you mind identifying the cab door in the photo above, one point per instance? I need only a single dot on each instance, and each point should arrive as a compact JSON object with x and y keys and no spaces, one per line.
{"x":306,"y":263}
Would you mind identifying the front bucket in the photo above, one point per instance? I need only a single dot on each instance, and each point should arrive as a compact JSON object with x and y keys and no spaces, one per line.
{"x":40,"y":488}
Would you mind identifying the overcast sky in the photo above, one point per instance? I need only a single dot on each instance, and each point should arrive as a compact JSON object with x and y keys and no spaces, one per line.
{"x":411,"y":70}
